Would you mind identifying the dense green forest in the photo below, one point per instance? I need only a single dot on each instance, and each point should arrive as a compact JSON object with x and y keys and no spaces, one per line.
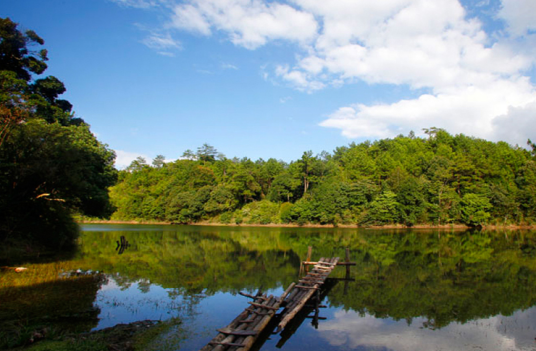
{"x":440,"y":179}
{"x":51,"y":165}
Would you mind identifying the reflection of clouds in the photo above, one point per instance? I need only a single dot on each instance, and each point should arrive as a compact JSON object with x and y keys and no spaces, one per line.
{"x":521,"y":326}
{"x":349,"y":330}
{"x":127,"y":302}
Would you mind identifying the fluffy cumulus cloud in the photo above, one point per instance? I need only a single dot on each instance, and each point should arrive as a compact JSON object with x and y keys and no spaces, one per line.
{"x":520,"y":16}
{"x":422,"y":44}
{"x":476,"y":82}
{"x":249,"y":23}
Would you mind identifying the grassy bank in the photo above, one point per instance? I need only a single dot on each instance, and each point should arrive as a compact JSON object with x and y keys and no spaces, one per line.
{"x":137,"y":336}
{"x":46,"y":307}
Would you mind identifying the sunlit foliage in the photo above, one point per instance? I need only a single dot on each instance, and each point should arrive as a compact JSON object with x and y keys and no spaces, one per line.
{"x":441,"y":179}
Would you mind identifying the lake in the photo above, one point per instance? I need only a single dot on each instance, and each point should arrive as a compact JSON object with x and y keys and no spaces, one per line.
{"x":410,"y":289}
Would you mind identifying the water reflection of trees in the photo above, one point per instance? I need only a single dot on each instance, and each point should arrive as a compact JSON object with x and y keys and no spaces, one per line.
{"x":441,"y":276}
{"x":445,"y":278}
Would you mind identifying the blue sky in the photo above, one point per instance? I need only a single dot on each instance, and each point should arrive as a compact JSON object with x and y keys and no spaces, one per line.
{"x":263,"y":79}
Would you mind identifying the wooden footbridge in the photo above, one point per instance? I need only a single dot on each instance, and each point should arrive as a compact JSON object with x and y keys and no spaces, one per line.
{"x":258,"y":318}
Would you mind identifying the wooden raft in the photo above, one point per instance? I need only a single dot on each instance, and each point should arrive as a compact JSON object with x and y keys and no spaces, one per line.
{"x":242,"y":332}
{"x":307,"y":286}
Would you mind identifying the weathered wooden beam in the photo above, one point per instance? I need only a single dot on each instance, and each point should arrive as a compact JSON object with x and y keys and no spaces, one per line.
{"x":263,"y":306}
{"x":253,"y":296}
{"x":308,"y":287}
{"x":226,"y":344}
{"x":237,"y":332}
{"x":302,"y":301}
{"x":308,"y":281}
{"x":250,"y":340}
{"x":236,"y":326}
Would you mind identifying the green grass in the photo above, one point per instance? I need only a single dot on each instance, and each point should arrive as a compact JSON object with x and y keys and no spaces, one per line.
{"x":136,"y":336}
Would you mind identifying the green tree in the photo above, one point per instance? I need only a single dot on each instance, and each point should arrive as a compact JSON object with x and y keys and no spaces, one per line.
{"x":16,"y":53}
{"x":384,"y":209}
{"x":51,"y":165}
{"x":474,"y":209}
{"x":159,"y":161}
{"x":207,"y":153}
{"x":48,"y":171}
{"x":137,"y":165}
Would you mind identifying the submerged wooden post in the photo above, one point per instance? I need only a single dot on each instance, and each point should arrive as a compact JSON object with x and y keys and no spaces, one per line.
{"x":347,"y":272}
{"x":308,"y":259}
{"x":347,"y":261}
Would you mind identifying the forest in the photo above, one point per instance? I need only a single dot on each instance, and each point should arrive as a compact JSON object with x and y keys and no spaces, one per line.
{"x":436,"y":180}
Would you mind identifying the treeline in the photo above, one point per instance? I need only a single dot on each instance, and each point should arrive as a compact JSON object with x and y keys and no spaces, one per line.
{"x":440,"y":179}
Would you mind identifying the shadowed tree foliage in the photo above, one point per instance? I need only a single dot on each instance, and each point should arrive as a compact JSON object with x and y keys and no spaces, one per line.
{"x":51,"y":165}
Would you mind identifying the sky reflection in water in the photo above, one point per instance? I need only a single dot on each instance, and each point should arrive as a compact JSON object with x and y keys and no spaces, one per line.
{"x":456,"y":281}
{"x":349,"y":330}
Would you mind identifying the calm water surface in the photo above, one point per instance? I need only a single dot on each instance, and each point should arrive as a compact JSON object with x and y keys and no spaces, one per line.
{"x":411,"y":290}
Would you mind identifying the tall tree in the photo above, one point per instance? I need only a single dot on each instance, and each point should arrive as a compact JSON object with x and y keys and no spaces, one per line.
{"x":17,"y":53}
{"x":51,"y":165}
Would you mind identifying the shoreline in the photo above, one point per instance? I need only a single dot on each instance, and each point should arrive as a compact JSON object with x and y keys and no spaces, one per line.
{"x":342,"y":226}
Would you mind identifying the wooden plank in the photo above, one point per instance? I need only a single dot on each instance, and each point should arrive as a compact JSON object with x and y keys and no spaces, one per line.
{"x":307,"y":287}
{"x":250,"y":340}
{"x":263,"y":306}
{"x":253,"y":296}
{"x":302,"y":301}
{"x":310,"y":281}
{"x":237,"y":332}
{"x":226,"y":344}
{"x":258,"y":313}
{"x":234,"y":325}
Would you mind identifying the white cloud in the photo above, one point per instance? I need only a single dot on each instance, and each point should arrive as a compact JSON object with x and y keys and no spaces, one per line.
{"x":164,"y":44}
{"x":350,"y":331}
{"x":520,"y":16}
{"x":124,"y":158}
{"x":142,"y":4}
{"x":228,"y":66}
{"x":469,"y":110}
{"x":285,"y":99}
{"x":517,"y":124}
{"x":298,"y":79}
{"x":419,"y":44}
{"x":190,"y":18}
{"x":249,"y":23}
